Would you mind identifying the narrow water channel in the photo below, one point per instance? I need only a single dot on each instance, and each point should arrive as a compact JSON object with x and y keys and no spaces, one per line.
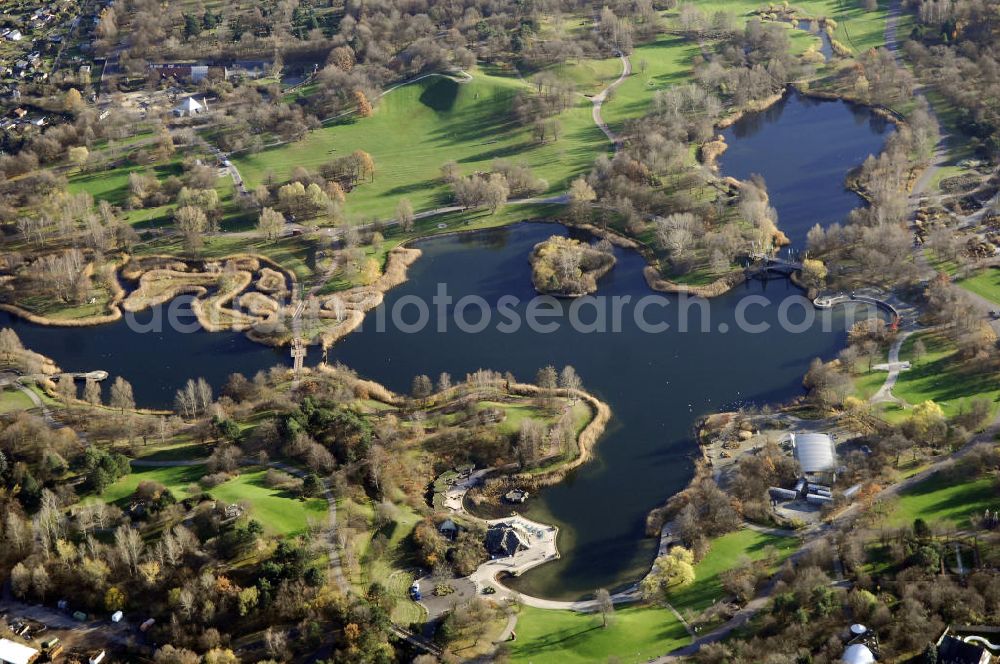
{"x":657,"y":383}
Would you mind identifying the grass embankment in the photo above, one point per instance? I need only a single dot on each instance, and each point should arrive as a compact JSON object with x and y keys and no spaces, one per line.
{"x":419,"y":127}
{"x":939,"y":499}
{"x":635,"y":634}
{"x":942,"y":376}
{"x":726,"y":551}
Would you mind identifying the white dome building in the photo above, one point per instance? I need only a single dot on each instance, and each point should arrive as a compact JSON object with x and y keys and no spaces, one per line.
{"x":858,"y":654}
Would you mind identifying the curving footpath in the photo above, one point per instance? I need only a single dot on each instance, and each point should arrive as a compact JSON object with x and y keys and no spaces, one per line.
{"x":599,"y":99}
{"x":884,"y":393}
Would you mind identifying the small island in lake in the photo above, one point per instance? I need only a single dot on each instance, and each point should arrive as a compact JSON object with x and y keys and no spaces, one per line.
{"x":569,"y":268}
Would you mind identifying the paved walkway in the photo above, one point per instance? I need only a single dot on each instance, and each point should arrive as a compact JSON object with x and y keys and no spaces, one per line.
{"x":598,"y":102}
{"x":894,"y":367}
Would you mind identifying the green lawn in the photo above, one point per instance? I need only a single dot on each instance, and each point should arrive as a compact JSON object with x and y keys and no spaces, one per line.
{"x":724,"y":554}
{"x":419,"y":127}
{"x":985,"y":283}
{"x":11,"y":400}
{"x":177,"y":478}
{"x":939,"y":499}
{"x":112,"y":186}
{"x":590,"y":76}
{"x":868,"y":383}
{"x":942,"y":377}
{"x":636,"y":634}
{"x":668,"y":61}
{"x":280,"y":513}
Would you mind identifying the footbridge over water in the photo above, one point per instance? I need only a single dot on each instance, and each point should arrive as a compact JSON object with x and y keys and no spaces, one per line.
{"x":765,"y":266}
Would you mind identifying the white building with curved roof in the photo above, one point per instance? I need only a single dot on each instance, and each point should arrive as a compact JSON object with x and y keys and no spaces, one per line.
{"x":815,"y":452}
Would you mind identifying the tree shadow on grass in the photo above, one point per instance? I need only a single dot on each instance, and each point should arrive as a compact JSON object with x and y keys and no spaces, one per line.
{"x":555,"y":640}
{"x":403,"y":189}
{"x":440,"y":95}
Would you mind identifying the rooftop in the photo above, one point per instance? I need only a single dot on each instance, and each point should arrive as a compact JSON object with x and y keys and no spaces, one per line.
{"x":814,"y":452}
{"x":12,"y":652}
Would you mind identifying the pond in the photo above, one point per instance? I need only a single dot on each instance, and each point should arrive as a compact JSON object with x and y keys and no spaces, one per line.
{"x":657,"y":382}
{"x":804,"y":147}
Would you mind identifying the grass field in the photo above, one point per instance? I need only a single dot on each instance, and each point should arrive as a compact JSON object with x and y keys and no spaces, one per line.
{"x":179,"y":479}
{"x":635,"y":634}
{"x":11,"y":400}
{"x":419,"y":127}
{"x":280,"y":513}
{"x":668,"y":61}
{"x":112,"y":186}
{"x":942,"y":377}
{"x":985,"y":283}
{"x":726,"y":551}
{"x":938,"y":499}
{"x":590,"y":76}
{"x":394,"y":568}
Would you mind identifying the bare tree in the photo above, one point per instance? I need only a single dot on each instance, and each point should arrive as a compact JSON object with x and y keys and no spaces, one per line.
{"x":605,"y":605}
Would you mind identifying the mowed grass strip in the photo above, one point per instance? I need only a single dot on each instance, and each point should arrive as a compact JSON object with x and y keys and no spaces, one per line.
{"x":635,"y":634}
{"x":418,"y":127}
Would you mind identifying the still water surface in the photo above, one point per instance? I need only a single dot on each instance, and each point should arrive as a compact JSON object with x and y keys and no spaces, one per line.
{"x":657,"y":384}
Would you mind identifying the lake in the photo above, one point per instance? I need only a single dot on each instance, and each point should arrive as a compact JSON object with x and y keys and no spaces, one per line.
{"x":657,"y":382}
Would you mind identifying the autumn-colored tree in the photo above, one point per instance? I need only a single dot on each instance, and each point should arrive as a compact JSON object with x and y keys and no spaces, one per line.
{"x":79,"y":155}
{"x":581,"y":195}
{"x":365,"y":164}
{"x":364,"y":106}
{"x":73,"y":101}
{"x":270,"y":223}
{"x":342,"y":58}
{"x":191,"y":222}
{"x":114,"y":599}
{"x":674,"y":570}
{"x":165,"y":143}
{"x":335,"y":192}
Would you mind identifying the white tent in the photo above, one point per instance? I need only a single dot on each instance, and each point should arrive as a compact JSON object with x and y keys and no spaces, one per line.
{"x":12,"y":652}
{"x":189,"y":106}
